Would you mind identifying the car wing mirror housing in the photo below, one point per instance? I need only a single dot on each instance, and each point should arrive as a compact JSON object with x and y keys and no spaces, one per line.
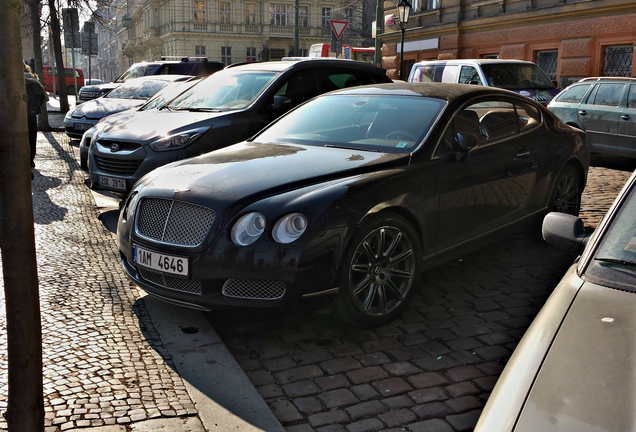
{"x":565,"y":231}
{"x":281,"y":102}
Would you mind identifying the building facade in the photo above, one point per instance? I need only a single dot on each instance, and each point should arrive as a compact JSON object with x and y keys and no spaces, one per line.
{"x":227,"y":31}
{"x":568,"y":39}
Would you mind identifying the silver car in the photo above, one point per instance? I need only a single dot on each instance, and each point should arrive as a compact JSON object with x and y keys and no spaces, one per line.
{"x":574,"y":368}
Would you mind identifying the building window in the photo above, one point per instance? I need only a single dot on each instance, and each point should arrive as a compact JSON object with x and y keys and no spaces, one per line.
{"x":490,"y":56}
{"x":326,"y":17}
{"x":250,"y":13}
{"x":281,"y":14}
{"x":432,"y":4}
{"x":276,"y":54}
{"x":251,"y":54}
{"x":303,"y":52}
{"x":348,"y":14}
{"x":199,"y":50}
{"x":224,"y":12}
{"x":547,"y":62}
{"x":303,"y":16}
{"x":226,"y":55}
{"x":617,"y":61}
{"x":199,"y":11}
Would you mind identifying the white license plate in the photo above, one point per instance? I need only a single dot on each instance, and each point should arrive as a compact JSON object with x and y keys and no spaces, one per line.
{"x":82,"y":126}
{"x":112,"y":183}
{"x":161,"y":262}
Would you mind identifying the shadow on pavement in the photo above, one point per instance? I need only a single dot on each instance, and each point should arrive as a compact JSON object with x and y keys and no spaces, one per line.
{"x":44,"y":210}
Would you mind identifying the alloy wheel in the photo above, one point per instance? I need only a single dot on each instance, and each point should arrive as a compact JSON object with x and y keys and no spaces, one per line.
{"x":382,"y":271}
{"x":567,"y":194}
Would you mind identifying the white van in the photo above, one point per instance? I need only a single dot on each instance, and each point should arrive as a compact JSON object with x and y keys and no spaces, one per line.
{"x":523,"y":77}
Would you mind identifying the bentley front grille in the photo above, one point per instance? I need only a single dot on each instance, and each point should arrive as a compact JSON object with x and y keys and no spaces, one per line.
{"x":170,"y":282}
{"x":173,"y":222}
{"x":254,"y":289}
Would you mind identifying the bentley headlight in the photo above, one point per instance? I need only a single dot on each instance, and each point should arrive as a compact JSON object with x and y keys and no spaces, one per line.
{"x":177,"y":141}
{"x":289,"y":228}
{"x":248,"y":229}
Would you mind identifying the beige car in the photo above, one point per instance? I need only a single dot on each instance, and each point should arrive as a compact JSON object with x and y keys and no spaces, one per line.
{"x":575,"y":368}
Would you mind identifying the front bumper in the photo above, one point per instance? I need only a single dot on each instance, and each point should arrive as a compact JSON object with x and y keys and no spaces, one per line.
{"x":264,"y":274}
{"x":75,"y":128}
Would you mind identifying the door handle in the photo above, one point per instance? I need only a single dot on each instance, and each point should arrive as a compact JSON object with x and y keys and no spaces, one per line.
{"x":625,"y":117}
{"x":522,"y":155}
{"x":582,"y":112}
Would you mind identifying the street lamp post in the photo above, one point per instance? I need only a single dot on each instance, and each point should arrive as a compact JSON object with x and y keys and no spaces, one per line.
{"x":403,"y":10}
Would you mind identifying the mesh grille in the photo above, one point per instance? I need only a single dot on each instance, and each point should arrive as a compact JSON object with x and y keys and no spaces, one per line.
{"x":177,"y":284}
{"x":89,"y":94}
{"x":173,"y":222}
{"x":547,"y":61}
{"x":121,"y":167}
{"x":254,"y":289}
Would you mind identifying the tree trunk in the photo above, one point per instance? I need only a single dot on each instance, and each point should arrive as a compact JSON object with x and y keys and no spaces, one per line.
{"x":57,"y":47}
{"x":25,"y":412}
{"x":36,"y":29}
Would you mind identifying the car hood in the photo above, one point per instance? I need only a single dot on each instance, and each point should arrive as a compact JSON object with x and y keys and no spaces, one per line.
{"x":101,"y":107}
{"x":588,"y":379}
{"x":149,"y":125}
{"x":250,"y":170}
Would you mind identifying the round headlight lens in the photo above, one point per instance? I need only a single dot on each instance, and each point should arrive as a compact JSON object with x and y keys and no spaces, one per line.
{"x":289,"y":228}
{"x":248,"y":229}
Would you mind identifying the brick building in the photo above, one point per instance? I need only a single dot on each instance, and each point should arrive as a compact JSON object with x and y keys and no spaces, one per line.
{"x":568,"y":39}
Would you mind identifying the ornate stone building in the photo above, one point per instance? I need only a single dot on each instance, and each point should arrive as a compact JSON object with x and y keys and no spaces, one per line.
{"x":228,"y":31}
{"x":568,"y":39}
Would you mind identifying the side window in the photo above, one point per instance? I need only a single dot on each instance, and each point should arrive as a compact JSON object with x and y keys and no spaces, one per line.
{"x":529,"y":116}
{"x":68,"y":72}
{"x":299,"y":87}
{"x":573,"y":94}
{"x":469,"y":75}
{"x":497,"y":120}
{"x":631,"y":97}
{"x":609,"y":94}
{"x":184,"y":68}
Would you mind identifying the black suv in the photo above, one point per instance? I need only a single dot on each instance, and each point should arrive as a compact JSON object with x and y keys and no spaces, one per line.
{"x":223,"y":109}
{"x":185,"y":66}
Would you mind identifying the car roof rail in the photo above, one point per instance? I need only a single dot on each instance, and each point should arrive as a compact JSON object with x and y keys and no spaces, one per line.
{"x":183,"y":58}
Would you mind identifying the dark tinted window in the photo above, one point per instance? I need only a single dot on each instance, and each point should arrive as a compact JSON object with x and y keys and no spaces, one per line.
{"x":609,"y":94}
{"x":573,"y":94}
{"x":469,"y":75}
{"x":631,"y":97}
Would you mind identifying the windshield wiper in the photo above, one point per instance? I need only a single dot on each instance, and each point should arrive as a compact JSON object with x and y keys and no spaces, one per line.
{"x":351,"y":148}
{"x":192,"y":109}
{"x":616,"y":261}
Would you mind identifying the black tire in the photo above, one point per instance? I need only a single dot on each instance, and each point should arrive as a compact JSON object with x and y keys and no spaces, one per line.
{"x":566,"y":195}
{"x":379,"y":270}
{"x":70,"y":90}
{"x":84,"y":162}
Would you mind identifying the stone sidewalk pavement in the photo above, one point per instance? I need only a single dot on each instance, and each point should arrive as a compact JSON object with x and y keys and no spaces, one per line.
{"x":104,"y":363}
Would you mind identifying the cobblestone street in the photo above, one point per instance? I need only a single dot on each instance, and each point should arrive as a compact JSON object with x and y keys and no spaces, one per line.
{"x":430,"y":370}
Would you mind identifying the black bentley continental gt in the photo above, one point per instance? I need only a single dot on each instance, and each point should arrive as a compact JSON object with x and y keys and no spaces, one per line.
{"x":351,"y":194}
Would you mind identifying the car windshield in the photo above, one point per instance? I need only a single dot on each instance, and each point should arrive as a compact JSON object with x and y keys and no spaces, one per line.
{"x":391,"y":124}
{"x":137,"y":71}
{"x":166,"y":94}
{"x":137,"y":90}
{"x":229,"y":89}
{"x":614,"y":262}
{"x":512,"y":76}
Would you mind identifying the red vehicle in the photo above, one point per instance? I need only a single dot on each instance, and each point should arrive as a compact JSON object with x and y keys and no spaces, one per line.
{"x":50,"y":72}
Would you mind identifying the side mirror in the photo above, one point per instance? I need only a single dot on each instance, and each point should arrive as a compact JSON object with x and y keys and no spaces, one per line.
{"x":565,"y":231}
{"x":280,"y":102}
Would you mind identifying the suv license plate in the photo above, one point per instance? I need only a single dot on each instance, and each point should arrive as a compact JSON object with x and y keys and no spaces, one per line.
{"x":112,"y":183}
{"x":161,"y":262}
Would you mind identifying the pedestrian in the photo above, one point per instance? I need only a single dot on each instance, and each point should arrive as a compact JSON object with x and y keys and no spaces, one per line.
{"x":36,"y":96}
